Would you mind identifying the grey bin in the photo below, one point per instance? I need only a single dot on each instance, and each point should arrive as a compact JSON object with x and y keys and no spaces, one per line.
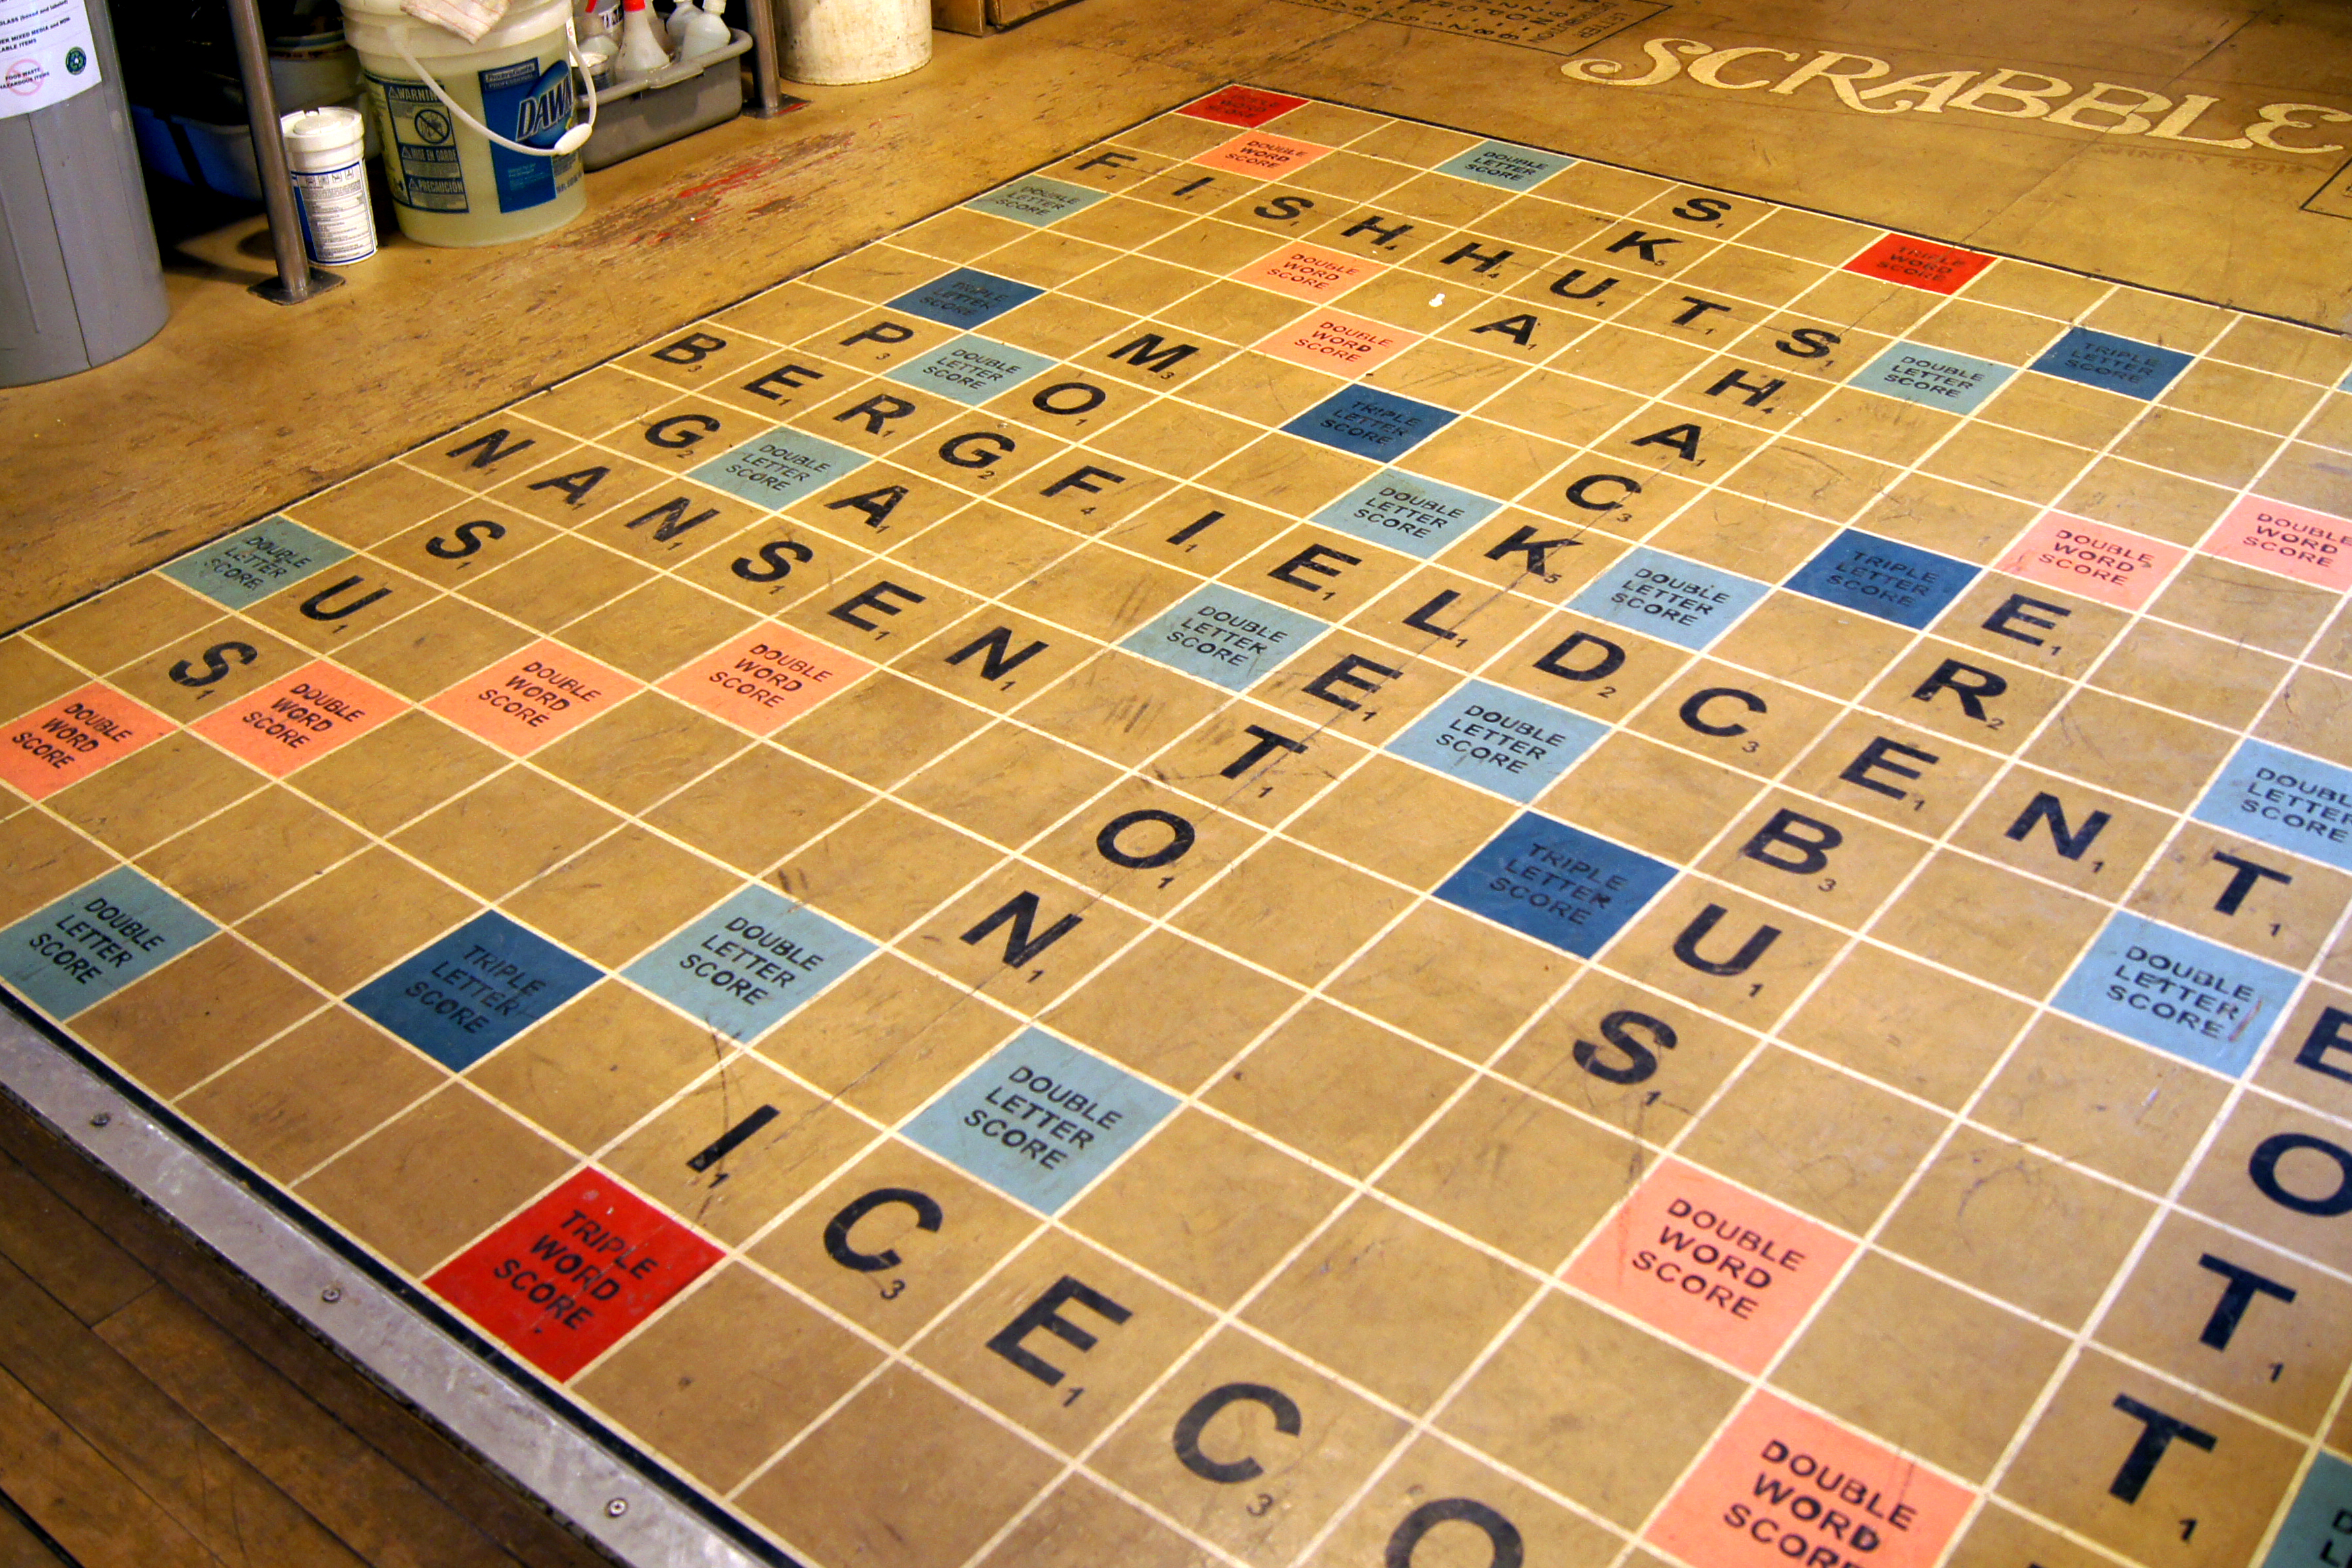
{"x":678,"y":101}
{"x":81,"y":281}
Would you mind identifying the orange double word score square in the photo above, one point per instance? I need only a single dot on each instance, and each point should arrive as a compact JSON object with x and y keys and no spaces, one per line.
{"x":530,"y":697}
{"x":299,"y":719}
{"x":74,"y":737}
{"x":1718,"y":1268}
{"x":764,"y":678}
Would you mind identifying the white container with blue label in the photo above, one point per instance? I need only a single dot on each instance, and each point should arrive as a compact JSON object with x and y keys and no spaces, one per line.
{"x":326,"y":153}
{"x":479,"y":142}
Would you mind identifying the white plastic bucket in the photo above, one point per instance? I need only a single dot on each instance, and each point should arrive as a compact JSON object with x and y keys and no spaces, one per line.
{"x":831,"y":43}
{"x":326,"y":152}
{"x":479,"y":143}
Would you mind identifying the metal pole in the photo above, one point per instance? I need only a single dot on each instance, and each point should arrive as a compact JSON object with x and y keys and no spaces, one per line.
{"x":296,"y":282}
{"x":763,"y":18}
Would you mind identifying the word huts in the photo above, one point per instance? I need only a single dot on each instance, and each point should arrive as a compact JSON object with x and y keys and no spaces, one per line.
{"x":1309,"y":842}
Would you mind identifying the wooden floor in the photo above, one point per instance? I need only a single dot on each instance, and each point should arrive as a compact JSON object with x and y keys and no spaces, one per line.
{"x":156,"y":1413}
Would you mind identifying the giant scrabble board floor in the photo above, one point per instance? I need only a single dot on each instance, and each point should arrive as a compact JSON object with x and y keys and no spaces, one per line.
{"x":1310,"y":841}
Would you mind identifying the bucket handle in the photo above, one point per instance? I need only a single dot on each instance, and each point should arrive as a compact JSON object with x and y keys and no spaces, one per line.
{"x":569,"y":142}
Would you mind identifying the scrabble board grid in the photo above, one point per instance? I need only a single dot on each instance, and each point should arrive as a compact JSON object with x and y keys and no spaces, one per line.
{"x":804,"y":730}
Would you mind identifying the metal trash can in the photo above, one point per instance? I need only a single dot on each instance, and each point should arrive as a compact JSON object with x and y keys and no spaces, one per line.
{"x":80,"y":280}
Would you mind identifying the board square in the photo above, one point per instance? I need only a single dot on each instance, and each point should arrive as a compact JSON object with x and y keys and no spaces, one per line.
{"x":1246,"y":106}
{"x":1500,"y":740}
{"x":1040,"y":1118}
{"x":2286,"y":800}
{"x":474,"y":990}
{"x":95,"y":941}
{"x":1505,"y":164}
{"x":1261,"y":155}
{"x":561,"y":1282}
{"x":1718,"y":1268}
{"x":1898,"y":582}
{"x":1407,"y":512}
{"x":1305,"y":272}
{"x":2096,"y":560}
{"x":2177,"y":993}
{"x":765,"y":678}
{"x":1224,"y":636}
{"x":744,"y":966}
{"x":1370,"y":423}
{"x":1921,"y":263}
{"x":970,"y":370}
{"x":1686,"y":603}
{"x":2111,"y":363}
{"x":73,"y":738}
{"x":300,"y":719}
{"x":1556,"y":883}
{"x":965,"y":298}
{"x":1036,"y":200}
{"x":256,"y":563}
{"x":2296,"y":541}
{"x":531,"y":697}
{"x":1773,"y":1480}
{"x":2316,"y":1522}
{"x":778,"y":468}
{"x":1338,"y":342}
{"x":1934,"y":378}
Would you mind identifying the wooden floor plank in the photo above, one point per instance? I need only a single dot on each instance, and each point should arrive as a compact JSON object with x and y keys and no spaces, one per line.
{"x":517,"y":1523}
{"x":371,"y":1505}
{"x":20,"y":1548}
{"x":86,"y":1503}
{"x":65,"y":1255}
{"x":192,"y":1475}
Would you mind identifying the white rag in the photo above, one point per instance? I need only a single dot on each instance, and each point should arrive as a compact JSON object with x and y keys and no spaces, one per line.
{"x":470,"y":20}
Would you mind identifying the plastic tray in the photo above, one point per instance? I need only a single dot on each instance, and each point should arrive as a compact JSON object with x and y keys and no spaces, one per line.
{"x":693,"y":95}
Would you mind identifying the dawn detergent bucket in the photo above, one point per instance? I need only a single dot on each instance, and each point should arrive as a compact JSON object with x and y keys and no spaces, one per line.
{"x":478,"y":140}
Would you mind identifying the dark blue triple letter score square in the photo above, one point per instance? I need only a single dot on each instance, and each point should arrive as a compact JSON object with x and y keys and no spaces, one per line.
{"x":474,"y":990}
{"x":1557,"y":884}
{"x":1371,"y":423}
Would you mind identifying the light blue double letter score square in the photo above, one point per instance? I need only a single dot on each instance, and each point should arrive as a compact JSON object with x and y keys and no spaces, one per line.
{"x":1040,"y":1118}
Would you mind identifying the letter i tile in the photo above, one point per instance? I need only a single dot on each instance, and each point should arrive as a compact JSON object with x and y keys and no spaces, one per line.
{"x":529,"y":698}
{"x":1782,"y":1485}
{"x":562,"y":1281}
{"x":1718,"y":1268}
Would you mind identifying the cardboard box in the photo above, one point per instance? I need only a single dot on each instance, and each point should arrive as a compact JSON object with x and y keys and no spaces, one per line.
{"x":978,"y":17}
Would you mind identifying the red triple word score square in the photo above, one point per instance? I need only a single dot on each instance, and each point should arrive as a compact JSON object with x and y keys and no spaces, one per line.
{"x":1248,"y":107}
{"x":562,"y":1281}
{"x":1920,"y":263}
